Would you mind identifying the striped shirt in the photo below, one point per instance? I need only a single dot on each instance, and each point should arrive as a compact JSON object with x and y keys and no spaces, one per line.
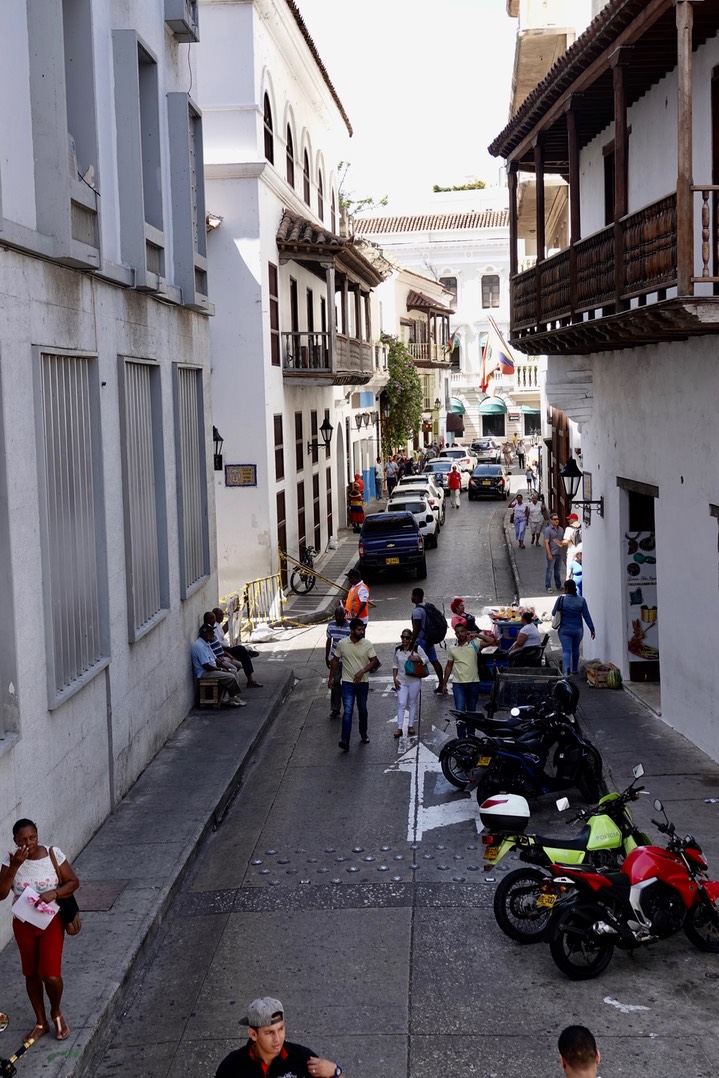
{"x":336,"y":633}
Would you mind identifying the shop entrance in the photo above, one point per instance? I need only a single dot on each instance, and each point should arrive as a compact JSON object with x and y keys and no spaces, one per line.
{"x":640,"y":569}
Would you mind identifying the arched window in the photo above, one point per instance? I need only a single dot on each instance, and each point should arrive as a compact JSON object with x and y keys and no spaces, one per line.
{"x":290,"y":157}
{"x":306,"y":178}
{"x":333,"y":214}
{"x":320,"y":198}
{"x":269,"y":133}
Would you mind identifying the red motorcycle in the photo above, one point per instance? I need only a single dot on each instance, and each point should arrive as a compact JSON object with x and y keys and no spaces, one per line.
{"x":656,"y":893}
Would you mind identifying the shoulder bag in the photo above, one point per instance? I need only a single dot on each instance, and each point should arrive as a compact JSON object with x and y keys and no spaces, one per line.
{"x":69,"y":910}
{"x":557,"y":619}
{"x":416,"y":668}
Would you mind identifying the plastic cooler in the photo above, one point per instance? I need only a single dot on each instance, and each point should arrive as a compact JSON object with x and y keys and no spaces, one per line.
{"x":504,"y":812}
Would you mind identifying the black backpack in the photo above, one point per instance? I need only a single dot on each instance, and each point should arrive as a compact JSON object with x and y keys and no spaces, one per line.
{"x":435,"y":624}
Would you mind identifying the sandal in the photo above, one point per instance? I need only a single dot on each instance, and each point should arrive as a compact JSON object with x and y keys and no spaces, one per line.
{"x":398,"y":733}
{"x":38,"y":1030}
{"x":62,"y":1031}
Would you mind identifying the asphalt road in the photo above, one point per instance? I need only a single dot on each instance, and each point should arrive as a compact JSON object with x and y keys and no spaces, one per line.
{"x":351,"y":887}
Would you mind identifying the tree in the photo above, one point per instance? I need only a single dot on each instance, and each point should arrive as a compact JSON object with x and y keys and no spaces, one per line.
{"x":475,"y":185}
{"x":348,"y":202}
{"x":403,"y":392}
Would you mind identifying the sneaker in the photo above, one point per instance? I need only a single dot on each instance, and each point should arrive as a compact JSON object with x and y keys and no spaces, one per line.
{"x":345,"y":746}
{"x":236,"y":702}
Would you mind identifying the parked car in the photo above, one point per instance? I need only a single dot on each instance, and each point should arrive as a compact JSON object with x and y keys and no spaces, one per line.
{"x":461,"y":455}
{"x":412,"y":480}
{"x":391,"y":541}
{"x":488,"y":479}
{"x":439,"y":470}
{"x":423,"y":487}
{"x":487,"y":451}
{"x":422,"y":512}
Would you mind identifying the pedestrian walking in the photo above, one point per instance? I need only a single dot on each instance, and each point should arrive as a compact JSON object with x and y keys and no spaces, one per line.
{"x":507,"y":454}
{"x":535,"y":475}
{"x":572,"y":534}
{"x":267,"y":1054}
{"x":454,"y":482}
{"x":463,"y":667}
{"x":537,"y":520}
{"x":578,"y":1052}
{"x":408,"y":686}
{"x":521,"y":451}
{"x":420,"y":630}
{"x":572,"y":609}
{"x":390,"y":471}
{"x":356,"y":507}
{"x":379,"y":478}
{"x":519,"y":517}
{"x":359,"y":659}
{"x":357,"y":601}
{"x":553,"y":537}
{"x":529,"y":477}
{"x":47,"y":871}
{"x":576,"y":569}
{"x":338,"y":629}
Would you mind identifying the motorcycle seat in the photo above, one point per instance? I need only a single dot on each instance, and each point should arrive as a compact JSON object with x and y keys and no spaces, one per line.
{"x":579,"y":842}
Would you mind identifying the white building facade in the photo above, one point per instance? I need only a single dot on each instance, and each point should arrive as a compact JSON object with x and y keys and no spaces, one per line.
{"x":629,"y":315}
{"x":106,"y":534}
{"x":293,"y":341}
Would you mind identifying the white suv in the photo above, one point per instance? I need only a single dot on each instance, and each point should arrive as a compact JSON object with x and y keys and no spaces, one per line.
{"x":422,"y":512}
{"x":426,"y":486}
{"x":461,"y":455}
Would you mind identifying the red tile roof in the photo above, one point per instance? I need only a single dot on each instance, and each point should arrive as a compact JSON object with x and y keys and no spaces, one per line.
{"x":431,"y":222}
{"x":298,"y":230}
{"x":417,"y":301}
{"x":316,"y":57}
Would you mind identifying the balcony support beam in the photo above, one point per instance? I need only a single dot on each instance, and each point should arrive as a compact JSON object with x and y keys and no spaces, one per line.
{"x":541,"y":246}
{"x":618,"y":61}
{"x":329,"y":268}
{"x":685,"y":245}
{"x":575,"y":205}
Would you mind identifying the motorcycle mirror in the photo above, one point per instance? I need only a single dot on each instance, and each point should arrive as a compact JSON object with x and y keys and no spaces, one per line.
{"x":658,"y":805}
{"x":638,"y":771}
{"x":562,"y":804}
{"x":4,"y":1022}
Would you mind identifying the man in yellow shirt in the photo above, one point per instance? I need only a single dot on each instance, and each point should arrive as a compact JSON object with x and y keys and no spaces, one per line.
{"x":464,"y":662}
{"x":359,"y":659}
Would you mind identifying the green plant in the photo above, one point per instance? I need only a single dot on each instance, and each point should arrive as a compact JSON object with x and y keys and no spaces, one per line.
{"x":348,"y":202}
{"x":403,"y":393}
{"x":475,"y":185}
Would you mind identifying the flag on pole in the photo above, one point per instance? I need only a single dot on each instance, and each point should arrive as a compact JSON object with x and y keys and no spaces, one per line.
{"x":496,"y":355}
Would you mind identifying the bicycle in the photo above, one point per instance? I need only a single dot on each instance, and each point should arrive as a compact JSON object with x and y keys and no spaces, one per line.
{"x":301,"y":581}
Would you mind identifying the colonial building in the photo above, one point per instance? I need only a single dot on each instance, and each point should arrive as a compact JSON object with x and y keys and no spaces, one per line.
{"x":461,"y":240}
{"x":106,"y":530}
{"x":628,"y":313}
{"x":296,"y":361}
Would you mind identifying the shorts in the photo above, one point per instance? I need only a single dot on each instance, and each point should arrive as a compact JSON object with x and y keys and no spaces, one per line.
{"x":40,"y":948}
{"x":428,"y":649}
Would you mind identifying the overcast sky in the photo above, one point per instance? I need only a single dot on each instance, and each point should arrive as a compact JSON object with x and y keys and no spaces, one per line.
{"x":425,"y":84}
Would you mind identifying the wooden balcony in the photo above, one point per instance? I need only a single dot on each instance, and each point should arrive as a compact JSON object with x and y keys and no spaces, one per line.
{"x":428,"y":354}
{"x":308,"y":359}
{"x":618,"y":288}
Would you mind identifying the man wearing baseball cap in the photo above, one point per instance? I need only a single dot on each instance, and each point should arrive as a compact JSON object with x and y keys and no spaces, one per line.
{"x":267,"y":1054}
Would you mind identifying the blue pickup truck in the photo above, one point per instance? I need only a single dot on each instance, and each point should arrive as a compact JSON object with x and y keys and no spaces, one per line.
{"x":390,"y":541}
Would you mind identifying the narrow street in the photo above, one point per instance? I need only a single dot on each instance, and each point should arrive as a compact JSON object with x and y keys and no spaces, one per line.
{"x":352,"y":888}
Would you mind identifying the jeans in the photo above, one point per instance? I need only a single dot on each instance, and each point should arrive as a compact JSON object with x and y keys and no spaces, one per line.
{"x":570,"y":642}
{"x":554,"y":565}
{"x":352,"y":691}
{"x":465,"y":695}
{"x":408,"y":697}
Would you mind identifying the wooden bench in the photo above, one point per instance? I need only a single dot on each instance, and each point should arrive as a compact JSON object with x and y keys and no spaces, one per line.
{"x":210,"y":692}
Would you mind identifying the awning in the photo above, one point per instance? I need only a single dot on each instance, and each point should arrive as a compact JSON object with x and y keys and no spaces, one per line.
{"x":456,"y":406}
{"x":492,"y":406}
{"x":526,"y":410}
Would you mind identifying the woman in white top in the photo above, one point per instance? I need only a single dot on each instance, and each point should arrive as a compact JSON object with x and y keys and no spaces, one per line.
{"x":31,"y":865}
{"x":408,"y":688}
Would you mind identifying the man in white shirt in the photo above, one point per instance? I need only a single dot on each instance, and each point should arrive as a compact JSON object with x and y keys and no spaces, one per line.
{"x":239,"y":654}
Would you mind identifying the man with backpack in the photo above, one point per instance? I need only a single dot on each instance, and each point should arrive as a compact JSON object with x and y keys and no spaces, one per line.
{"x":429,"y":627}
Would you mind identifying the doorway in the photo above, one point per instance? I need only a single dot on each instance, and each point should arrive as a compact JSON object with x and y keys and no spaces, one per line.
{"x":640,"y":581}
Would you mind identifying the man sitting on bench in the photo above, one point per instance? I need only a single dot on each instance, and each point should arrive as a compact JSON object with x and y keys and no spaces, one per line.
{"x":205,"y":666}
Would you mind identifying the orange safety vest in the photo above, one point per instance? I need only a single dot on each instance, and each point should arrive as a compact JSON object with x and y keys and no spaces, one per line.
{"x":355,"y":605}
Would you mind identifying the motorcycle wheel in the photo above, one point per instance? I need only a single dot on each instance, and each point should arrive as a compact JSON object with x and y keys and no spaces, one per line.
{"x":490,"y":783}
{"x":701,"y":927}
{"x":302,"y":582}
{"x":515,"y":906}
{"x":588,"y":783}
{"x":577,"y":952}
{"x":453,"y":756}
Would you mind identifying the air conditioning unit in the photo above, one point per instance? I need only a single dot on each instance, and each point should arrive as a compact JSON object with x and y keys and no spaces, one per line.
{"x":181,"y":17}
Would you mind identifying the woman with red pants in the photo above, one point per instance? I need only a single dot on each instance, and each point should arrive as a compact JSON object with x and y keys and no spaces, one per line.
{"x":31,"y":865}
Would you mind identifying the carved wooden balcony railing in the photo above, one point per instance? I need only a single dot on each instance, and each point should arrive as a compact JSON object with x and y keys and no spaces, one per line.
{"x":618,"y":287}
{"x":428,"y":352}
{"x":307,"y":357}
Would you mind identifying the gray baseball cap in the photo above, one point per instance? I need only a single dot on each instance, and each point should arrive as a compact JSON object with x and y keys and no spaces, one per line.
{"x":263,"y":1012}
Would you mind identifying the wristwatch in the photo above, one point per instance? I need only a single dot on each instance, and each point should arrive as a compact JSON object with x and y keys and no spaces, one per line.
{"x":338,"y":1071}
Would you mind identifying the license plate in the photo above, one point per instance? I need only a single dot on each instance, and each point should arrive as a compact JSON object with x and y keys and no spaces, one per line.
{"x":546,"y":900}
{"x":485,"y":482}
{"x":491,"y":853}
{"x":484,"y":761}
{"x":391,"y":561}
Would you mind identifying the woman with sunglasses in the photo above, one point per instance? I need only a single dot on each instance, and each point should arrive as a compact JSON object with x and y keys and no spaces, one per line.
{"x":408,"y":687}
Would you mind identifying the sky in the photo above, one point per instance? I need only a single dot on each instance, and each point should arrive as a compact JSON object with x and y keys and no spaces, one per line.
{"x":426,"y":87}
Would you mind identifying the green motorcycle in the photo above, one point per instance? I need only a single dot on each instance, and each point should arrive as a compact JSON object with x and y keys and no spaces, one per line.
{"x":608,"y":836}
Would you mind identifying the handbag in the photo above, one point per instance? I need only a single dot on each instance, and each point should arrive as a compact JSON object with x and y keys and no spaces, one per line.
{"x":69,"y":910}
{"x":416,"y":668}
{"x":511,"y":517}
{"x":557,"y":619}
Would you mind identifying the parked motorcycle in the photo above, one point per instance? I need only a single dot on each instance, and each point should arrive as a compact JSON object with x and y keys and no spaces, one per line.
{"x":656,"y":893}
{"x":608,"y":836}
{"x":7,"y":1066}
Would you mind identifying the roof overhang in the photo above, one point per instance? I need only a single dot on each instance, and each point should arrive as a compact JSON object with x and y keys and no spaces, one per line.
{"x":315,"y":248}
{"x":418,"y":301}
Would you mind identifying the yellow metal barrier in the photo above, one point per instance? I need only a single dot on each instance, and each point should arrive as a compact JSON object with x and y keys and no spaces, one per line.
{"x":261,"y":604}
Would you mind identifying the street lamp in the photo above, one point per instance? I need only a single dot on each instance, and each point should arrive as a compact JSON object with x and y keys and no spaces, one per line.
{"x":571,"y":478}
{"x":358,"y":420}
{"x":219,"y":442}
{"x":326,"y":430}
{"x":365,"y":418}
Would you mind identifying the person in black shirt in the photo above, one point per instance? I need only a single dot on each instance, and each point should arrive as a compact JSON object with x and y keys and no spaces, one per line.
{"x":267,"y":1054}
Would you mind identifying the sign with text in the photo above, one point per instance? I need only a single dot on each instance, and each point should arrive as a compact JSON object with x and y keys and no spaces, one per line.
{"x":240,"y":475}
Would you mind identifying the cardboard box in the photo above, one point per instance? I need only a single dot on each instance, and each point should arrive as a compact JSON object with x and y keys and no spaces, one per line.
{"x":597,"y":674}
